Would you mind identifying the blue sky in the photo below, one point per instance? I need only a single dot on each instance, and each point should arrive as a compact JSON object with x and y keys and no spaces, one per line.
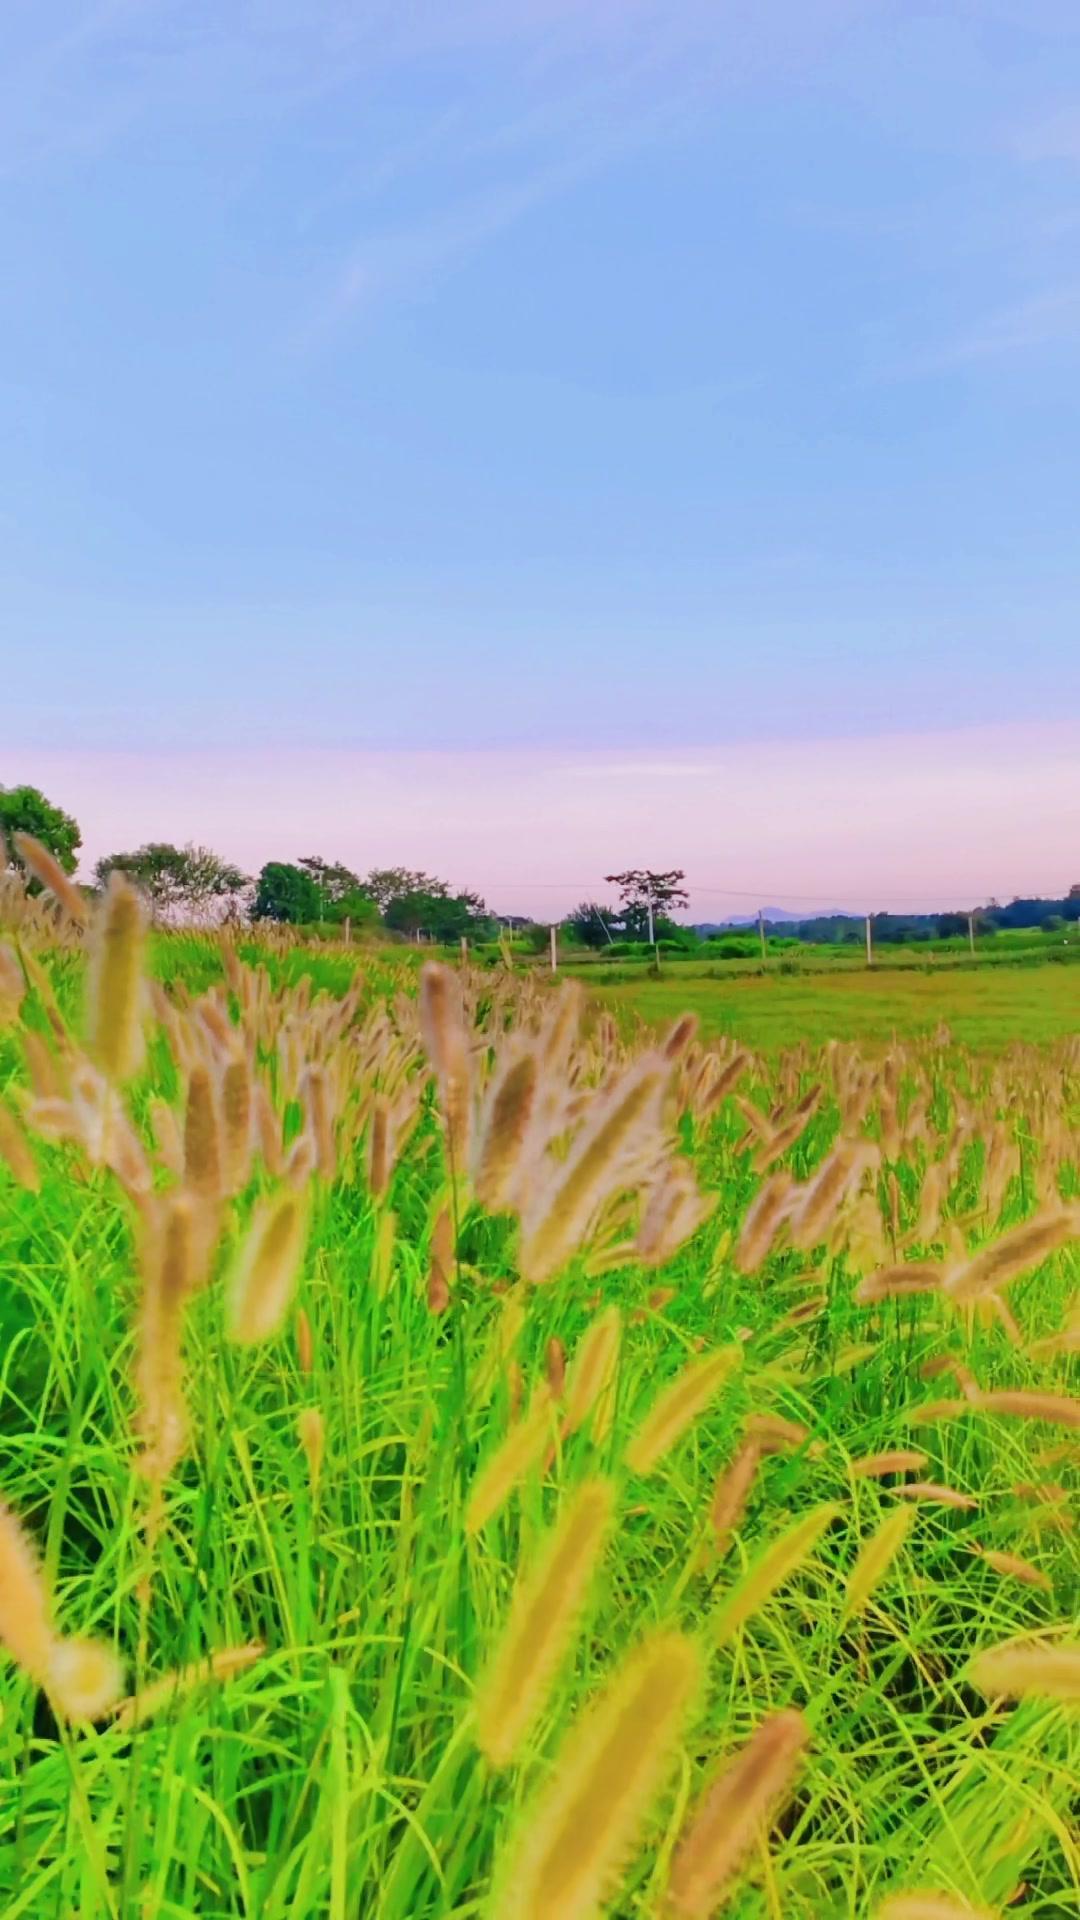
{"x":571,"y":376}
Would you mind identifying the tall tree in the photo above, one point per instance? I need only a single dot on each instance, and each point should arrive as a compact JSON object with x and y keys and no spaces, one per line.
{"x":180,"y":883}
{"x":593,"y":925}
{"x":26,"y":810}
{"x":442,"y":916}
{"x":288,"y":894}
{"x":334,"y":881}
{"x":647,"y":896}
{"x":386,"y":884}
{"x":343,"y":894}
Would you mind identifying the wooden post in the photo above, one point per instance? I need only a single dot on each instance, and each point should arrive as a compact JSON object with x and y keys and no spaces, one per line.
{"x":869,"y":944}
{"x":761,"y":932}
{"x":971,"y":931}
{"x":464,"y":951}
{"x":554,"y":950}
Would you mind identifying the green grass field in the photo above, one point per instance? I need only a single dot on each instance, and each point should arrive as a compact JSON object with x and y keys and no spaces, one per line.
{"x":309,"y":1496}
{"x":984,"y":1006}
{"x":984,"y":1009}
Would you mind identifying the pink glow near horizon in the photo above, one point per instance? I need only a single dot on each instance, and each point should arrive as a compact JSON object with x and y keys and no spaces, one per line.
{"x":902,"y":820}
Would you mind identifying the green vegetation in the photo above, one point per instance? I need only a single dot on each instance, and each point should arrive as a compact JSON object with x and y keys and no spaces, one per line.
{"x":181,"y":884}
{"x":26,"y":810}
{"x":291,"y":1404}
{"x":982,"y":1007}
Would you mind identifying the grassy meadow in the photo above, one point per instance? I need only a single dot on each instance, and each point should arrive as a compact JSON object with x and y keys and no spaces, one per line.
{"x":984,"y":1008}
{"x":466,"y":1450}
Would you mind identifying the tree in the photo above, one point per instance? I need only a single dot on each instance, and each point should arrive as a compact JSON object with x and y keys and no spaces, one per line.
{"x":180,"y":883}
{"x":444,"y":917}
{"x":592,"y":925}
{"x":334,"y":881}
{"x":645,"y":894}
{"x":386,"y":884}
{"x":26,"y":810}
{"x":344,"y":895}
{"x":288,"y":894}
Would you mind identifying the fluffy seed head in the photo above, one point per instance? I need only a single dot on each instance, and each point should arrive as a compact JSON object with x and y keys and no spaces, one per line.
{"x":442,"y":1023}
{"x":1014,"y":1671}
{"x":236,"y":1123}
{"x":173,"y":1686}
{"x":766,"y":1211}
{"x":85,"y":1679}
{"x":555,"y":1366}
{"x":50,"y":874}
{"x":935,"y":1495}
{"x":312,"y":1431}
{"x":775,"y":1564}
{"x":894,"y":1460}
{"x":592,"y":1369}
{"x":16,"y":1151}
{"x":202,"y":1137}
{"x":558,"y":1221}
{"x":511,"y":1461}
{"x":875,"y":1559}
{"x":895,"y":1283}
{"x":742,"y":1799}
{"x":114,"y":985}
{"x":1057,"y":1409}
{"x":543,"y":1615}
{"x":1014,"y":1253}
{"x":266,"y":1272}
{"x":378,"y":1146}
{"x":1011,"y":1566}
{"x":168,"y":1263}
{"x":25,"y":1612}
{"x":732,"y":1491}
{"x":678,"y":1406}
{"x":503,"y":1129}
{"x":607,"y":1772}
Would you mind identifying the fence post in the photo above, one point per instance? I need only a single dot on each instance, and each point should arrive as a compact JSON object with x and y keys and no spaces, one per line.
{"x":869,"y":944}
{"x":554,"y":952}
{"x":761,"y":933}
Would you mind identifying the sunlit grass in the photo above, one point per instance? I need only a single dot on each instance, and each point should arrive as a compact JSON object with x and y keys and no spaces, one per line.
{"x":339,"y":1772}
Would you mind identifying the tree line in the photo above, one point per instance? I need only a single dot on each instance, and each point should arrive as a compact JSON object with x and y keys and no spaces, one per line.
{"x":194,"y":884}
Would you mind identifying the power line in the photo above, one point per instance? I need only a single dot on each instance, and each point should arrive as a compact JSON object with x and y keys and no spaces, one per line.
{"x":762,"y":893}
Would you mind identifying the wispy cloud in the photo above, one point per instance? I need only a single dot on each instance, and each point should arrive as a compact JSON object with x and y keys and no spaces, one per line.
{"x":1036,"y":324}
{"x":1043,"y":320}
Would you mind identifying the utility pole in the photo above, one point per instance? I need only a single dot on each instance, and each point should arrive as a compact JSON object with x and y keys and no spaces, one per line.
{"x":464,"y":951}
{"x":869,"y":944}
{"x":554,"y":949}
{"x":652,"y":936}
{"x":348,"y":931}
{"x":761,"y":932}
{"x":971,"y":932}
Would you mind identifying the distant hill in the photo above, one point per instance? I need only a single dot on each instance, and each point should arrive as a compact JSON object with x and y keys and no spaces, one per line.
{"x":845,"y":927}
{"x":774,"y":916}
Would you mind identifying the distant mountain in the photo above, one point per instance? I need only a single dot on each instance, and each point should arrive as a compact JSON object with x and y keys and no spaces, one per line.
{"x":776,"y":916}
